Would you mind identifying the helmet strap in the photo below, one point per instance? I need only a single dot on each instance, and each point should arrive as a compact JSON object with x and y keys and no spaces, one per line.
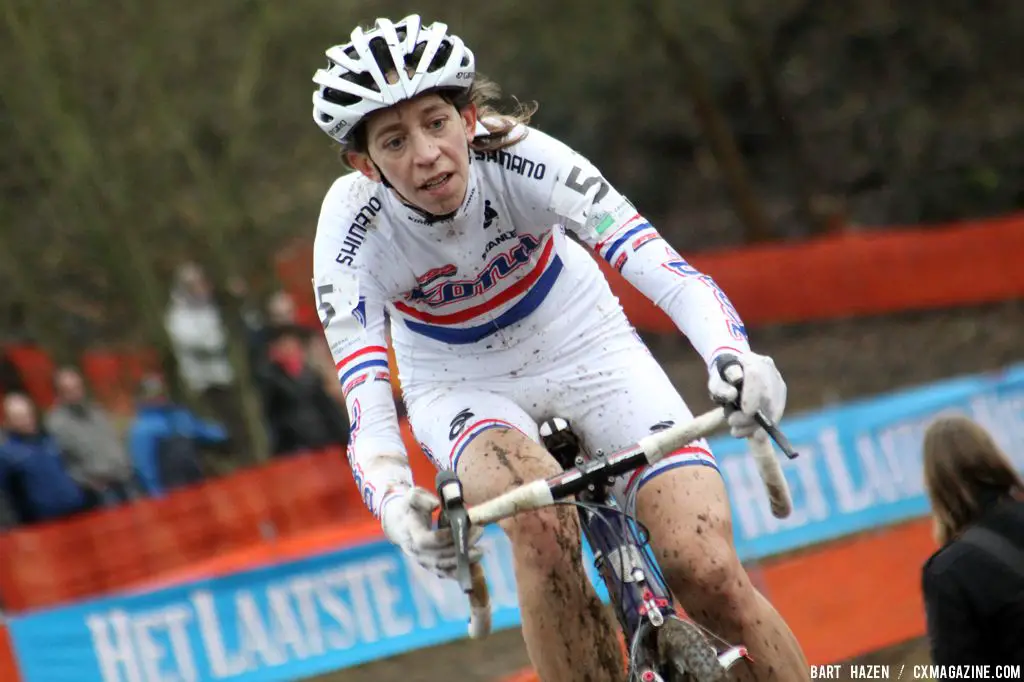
{"x":383,"y":178}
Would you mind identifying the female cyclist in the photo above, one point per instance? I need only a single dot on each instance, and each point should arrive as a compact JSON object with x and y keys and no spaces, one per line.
{"x":456,"y":224}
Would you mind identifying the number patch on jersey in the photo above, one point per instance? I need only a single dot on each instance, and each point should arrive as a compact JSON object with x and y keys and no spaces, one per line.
{"x":338,"y":299}
{"x":573,"y":182}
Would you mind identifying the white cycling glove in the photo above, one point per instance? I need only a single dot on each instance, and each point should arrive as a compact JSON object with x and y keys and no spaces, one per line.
{"x":763,"y":389}
{"x":406,"y":519}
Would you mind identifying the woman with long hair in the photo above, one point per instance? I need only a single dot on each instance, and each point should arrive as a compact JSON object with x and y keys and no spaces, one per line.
{"x":974,"y":584}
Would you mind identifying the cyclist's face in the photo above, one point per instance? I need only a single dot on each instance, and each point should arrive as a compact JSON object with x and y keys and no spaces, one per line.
{"x":422,"y":147}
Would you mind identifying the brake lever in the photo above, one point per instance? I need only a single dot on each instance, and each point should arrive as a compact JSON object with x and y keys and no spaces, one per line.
{"x":454,"y":516}
{"x":726,"y":362}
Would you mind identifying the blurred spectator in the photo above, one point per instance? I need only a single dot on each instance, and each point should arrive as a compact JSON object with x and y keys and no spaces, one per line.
{"x":281,"y":309}
{"x":302,"y":416}
{"x":10,"y":376}
{"x":32,"y":473}
{"x":93,"y":453}
{"x":974,"y":584}
{"x":199,"y":337}
{"x":166,"y":440}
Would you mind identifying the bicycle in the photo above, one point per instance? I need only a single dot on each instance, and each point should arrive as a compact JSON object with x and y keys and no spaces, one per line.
{"x":663,"y":644}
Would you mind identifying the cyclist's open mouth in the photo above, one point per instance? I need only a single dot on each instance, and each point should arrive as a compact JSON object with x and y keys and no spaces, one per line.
{"x":437,"y":183}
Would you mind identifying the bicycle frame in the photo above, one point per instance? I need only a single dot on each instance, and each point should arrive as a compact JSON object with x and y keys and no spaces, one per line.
{"x":629,"y":572}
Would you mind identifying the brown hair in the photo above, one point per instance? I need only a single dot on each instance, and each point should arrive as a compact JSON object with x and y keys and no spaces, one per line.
{"x":483,"y":93}
{"x":963,"y":466}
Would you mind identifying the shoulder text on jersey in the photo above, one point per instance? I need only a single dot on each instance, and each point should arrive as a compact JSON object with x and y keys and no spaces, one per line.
{"x":356,"y":234}
{"x":514,"y":163}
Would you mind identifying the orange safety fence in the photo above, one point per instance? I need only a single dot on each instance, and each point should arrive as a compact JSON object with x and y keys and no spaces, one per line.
{"x":848,"y":274}
{"x":8,"y":663}
{"x":843,"y":275}
{"x":849,"y":597}
{"x":237,"y":521}
{"x":856,"y":273}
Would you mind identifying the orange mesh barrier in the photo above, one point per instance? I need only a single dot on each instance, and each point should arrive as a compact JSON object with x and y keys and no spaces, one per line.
{"x":853,"y":273}
{"x":250,"y":512}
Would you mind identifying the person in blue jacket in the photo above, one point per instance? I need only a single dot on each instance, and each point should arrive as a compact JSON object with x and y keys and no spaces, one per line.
{"x":32,"y":474}
{"x":165,"y":441}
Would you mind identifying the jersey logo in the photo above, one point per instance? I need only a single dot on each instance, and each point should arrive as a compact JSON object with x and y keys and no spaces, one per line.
{"x":489,"y":214}
{"x":500,"y":267}
{"x":430,"y":275}
{"x":458,"y":424}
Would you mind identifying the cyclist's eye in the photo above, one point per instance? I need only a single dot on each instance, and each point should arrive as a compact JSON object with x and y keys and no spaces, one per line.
{"x":394,"y":144}
{"x":438,"y":123}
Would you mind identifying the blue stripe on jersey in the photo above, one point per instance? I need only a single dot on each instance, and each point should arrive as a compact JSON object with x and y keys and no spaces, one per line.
{"x":523,"y":307}
{"x":362,"y":366}
{"x":622,"y":240}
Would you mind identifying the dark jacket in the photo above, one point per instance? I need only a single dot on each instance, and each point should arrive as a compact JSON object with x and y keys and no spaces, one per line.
{"x":33,"y":476}
{"x":301,"y":415}
{"x":975,"y":602}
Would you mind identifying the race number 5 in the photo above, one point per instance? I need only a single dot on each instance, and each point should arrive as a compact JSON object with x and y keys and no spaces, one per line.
{"x":573,"y":182}
{"x":324,"y":306}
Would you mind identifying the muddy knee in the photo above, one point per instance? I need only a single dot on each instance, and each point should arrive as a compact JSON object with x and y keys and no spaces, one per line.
{"x":710,"y":581}
{"x":545,"y":540}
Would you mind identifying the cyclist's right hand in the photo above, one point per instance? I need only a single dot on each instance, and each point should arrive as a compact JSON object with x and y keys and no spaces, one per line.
{"x":406,"y":519}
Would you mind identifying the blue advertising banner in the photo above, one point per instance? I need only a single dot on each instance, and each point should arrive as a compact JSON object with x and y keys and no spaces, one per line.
{"x":859,"y":468}
{"x":860,"y":463}
{"x":282,"y":623}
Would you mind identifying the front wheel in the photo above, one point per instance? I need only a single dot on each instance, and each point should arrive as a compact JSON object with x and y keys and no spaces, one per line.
{"x":682,"y":647}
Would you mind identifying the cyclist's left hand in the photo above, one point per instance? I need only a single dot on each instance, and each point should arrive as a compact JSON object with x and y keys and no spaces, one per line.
{"x":763,"y":389}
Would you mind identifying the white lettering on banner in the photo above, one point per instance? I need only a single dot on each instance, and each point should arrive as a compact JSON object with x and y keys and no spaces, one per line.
{"x":114,"y":651}
{"x":336,"y":609}
{"x":177,"y":620}
{"x":849,"y":498}
{"x":154,"y":656}
{"x":209,"y":628}
{"x":305,"y":590}
{"x":393,"y":623}
{"x":284,"y":621}
{"x":1004,"y":418}
{"x":254,"y":638}
{"x":136,"y":648}
{"x":352,"y":578}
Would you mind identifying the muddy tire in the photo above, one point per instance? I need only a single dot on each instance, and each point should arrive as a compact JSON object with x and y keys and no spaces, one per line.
{"x":682,"y":646}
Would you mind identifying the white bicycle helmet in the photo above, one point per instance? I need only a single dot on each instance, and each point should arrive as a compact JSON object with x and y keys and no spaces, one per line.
{"x":387,"y":64}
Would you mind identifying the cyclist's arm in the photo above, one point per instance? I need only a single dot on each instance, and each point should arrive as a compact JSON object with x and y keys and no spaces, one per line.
{"x":609,"y":224}
{"x":351,"y":307}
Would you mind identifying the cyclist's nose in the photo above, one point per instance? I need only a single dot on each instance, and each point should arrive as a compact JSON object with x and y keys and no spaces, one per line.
{"x":425,"y":149}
